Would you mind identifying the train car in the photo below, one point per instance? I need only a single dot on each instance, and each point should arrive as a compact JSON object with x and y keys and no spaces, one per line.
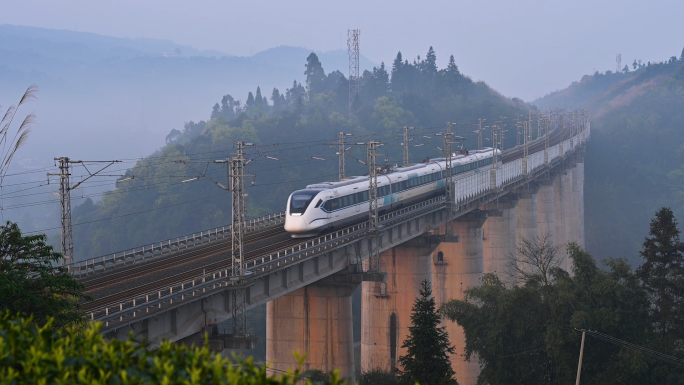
{"x":333,"y":205}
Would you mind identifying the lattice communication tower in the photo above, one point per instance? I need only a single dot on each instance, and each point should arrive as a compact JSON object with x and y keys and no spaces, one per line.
{"x":353,"y":50}
{"x":618,"y":61}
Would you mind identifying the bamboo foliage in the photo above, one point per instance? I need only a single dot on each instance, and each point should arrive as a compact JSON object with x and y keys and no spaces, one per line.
{"x":11,"y":140}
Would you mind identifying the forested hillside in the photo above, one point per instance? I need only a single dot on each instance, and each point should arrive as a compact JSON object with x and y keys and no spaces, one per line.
{"x":298,"y":121}
{"x":634,"y":162}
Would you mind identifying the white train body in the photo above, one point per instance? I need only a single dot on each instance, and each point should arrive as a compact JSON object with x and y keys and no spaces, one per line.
{"x":333,"y":205}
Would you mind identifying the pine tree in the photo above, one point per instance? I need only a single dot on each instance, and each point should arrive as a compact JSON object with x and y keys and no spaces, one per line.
{"x":430,"y":63}
{"x":258,"y":98}
{"x":427,"y":359}
{"x":250,"y":100}
{"x":662,"y":274}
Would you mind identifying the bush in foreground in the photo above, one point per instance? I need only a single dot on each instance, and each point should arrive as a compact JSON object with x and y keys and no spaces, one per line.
{"x":35,"y":354}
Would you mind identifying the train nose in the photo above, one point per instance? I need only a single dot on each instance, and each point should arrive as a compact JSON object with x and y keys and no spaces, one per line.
{"x":295,"y":224}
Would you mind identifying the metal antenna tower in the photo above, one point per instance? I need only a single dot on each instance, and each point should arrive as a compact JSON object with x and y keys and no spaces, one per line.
{"x":353,"y":50}
{"x":618,"y":61}
{"x":65,"y":202}
{"x":373,"y":220}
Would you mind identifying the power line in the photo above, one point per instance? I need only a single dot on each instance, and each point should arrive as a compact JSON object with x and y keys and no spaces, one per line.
{"x":129,"y":214}
{"x":635,"y":347}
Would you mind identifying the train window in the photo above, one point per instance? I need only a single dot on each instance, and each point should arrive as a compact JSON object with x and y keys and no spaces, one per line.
{"x":345,"y":201}
{"x":301,"y":200}
{"x":365,"y":195}
{"x":318,"y":203}
{"x":332,"y":205}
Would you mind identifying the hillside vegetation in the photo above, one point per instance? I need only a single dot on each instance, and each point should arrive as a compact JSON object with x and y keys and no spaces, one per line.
{"x":634,"y":162}
{"x":299,"y":121}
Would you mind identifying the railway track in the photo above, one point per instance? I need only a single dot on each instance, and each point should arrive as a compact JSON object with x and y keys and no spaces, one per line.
{"x":163,"y":283}
{"x":192,"y":256}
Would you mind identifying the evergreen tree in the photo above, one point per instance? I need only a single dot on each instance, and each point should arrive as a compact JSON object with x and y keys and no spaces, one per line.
{"x":258,"y":98}
{"x":430,"y":63}
{"x":427,"y":359}
{"x":250,"y":100}
{"x":275,"y":98}
{"x":315,"y":75}
{"x":397,"y":72}
{"x":32,"y":283}
{"x":662,"y":274}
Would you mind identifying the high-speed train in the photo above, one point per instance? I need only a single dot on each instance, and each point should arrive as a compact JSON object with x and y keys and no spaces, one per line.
{"x":333,"y":205}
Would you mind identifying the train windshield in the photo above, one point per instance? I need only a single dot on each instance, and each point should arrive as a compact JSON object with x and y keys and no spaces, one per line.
{"x":301,"y":200}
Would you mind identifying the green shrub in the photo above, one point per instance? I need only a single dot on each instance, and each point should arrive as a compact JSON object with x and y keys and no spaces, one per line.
{"x":378,"y":377}
{"x":38,"y":355}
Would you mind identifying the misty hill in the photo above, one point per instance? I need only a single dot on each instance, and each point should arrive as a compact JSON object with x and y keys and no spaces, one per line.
{"x":103,"y":97}
{"x":634,"y":162}
{"x":299,"y":120}
{"x":84,"y":47}
{"x":134,"y":90}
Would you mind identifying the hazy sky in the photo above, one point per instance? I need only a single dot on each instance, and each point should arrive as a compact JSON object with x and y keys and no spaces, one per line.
{"x":522,"y":48}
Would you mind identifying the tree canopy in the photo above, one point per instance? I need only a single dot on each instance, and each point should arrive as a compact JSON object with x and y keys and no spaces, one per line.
{"x":35,"y":354}
{"x":31,"y":281}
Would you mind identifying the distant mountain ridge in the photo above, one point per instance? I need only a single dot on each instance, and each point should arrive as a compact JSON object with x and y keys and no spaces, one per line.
{"x":634,"y":160}
{"x":86,"y":46}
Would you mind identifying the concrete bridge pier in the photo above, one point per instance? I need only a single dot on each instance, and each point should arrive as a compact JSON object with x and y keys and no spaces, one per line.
{"x":316,"y":320}
{"x":546,"y":211}
{"x":526,"y":217}
{"x":386,"y":306}
{"x":499,"y":236}
{"x":461,"y":268}
{"x":559,"y":218}
{"x":578,"y":180}
{"x":569,"y":219}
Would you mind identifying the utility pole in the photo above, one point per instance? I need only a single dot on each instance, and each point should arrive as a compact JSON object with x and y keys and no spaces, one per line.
{"x":529,"y":125}
{"x":479,"y":133}
{"x":236,"y":180}
{"x":502,"y":131}
{"x":495,"y":146}
{"x":353,"y":51}
{"x":236,"y":185}
{"x":65,"y":211}
{"x":449,"y":188}
{"x":579,"y":364}
{"x":67,"y":243}
{"x":406,"y":145}
{"x":373,"y":220}
{"x":342,"y":153}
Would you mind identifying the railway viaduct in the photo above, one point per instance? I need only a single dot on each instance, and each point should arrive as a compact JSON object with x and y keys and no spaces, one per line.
{"x":177,"y":288}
